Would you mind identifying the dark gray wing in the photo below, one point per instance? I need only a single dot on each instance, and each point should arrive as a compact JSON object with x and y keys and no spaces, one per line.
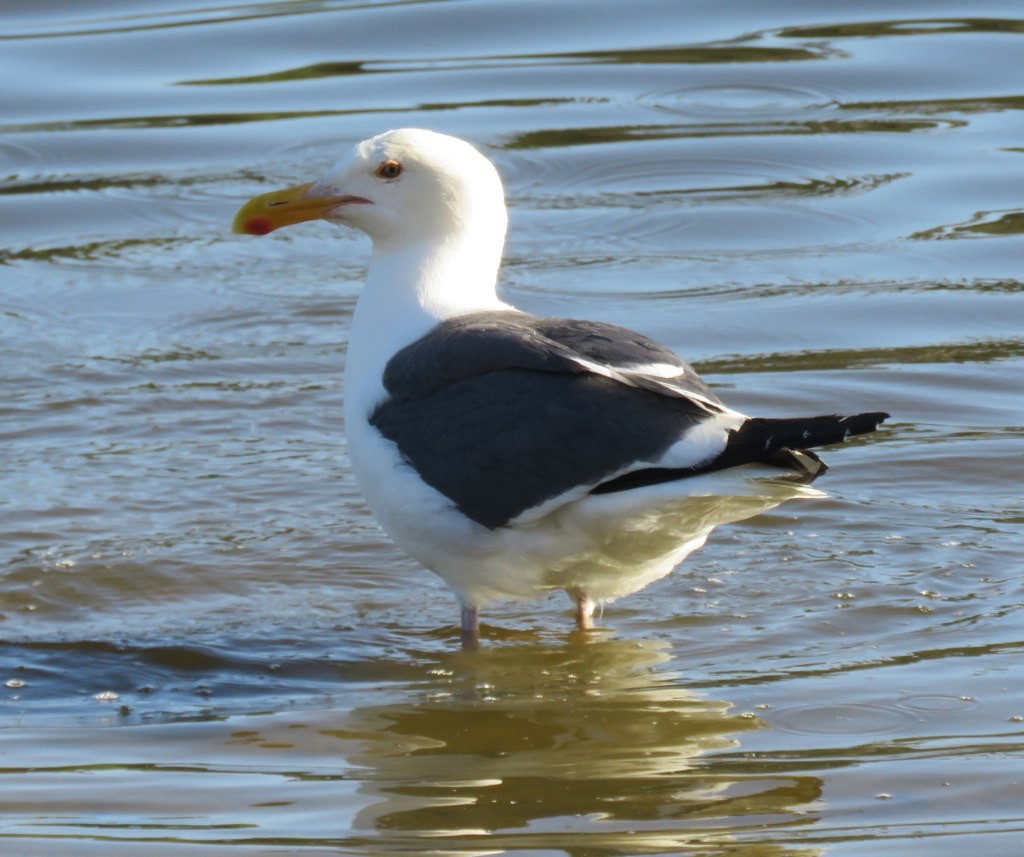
{"x":502,"y":411}
{"x":639,"y":360}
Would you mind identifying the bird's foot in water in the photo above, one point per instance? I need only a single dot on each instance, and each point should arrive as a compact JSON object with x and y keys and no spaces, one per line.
{"x":469,"y":628}
{"x":585,"y":607}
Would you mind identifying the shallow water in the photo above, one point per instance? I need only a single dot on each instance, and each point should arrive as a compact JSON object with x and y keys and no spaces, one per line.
{"x":207,"y":641}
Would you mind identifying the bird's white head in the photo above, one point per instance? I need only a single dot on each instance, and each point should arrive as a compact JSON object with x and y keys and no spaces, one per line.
{"x":401,"y":187}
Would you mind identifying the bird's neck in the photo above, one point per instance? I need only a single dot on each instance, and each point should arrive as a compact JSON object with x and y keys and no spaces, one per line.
{"x":443,"y":277}
{"x":410,"y":289}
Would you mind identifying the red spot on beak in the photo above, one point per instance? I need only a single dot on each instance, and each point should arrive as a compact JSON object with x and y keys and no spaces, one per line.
{"x":259,"y":226}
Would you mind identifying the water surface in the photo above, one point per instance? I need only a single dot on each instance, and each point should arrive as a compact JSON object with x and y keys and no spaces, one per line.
{"x":208,"y":644}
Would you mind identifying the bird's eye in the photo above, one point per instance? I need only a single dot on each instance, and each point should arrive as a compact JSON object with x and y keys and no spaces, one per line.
{"x":389,"y":170}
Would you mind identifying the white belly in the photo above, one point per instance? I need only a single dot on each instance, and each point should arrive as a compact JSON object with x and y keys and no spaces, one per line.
{"x":606,"y":546}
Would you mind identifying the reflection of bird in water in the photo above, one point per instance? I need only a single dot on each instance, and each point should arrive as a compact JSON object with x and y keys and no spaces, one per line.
{"x":513,"y":454}
{"x":588,"y":748}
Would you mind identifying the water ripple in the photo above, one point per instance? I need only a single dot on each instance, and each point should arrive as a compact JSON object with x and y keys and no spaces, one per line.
{"x":743,"y":102}
{"x":842,"y":719}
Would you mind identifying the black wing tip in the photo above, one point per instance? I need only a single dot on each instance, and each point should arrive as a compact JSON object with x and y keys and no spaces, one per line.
{"x":864,"y":423}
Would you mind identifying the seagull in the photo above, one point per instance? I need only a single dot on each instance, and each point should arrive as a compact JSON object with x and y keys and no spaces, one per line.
{"x":515,"y":454}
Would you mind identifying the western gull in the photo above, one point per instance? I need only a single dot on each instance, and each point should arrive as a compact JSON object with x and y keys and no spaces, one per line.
{"x":513,"y":454}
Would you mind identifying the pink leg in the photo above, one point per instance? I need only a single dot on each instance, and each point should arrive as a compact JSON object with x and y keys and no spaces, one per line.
{"x":584,"y":611}
{"x":470,"y":627}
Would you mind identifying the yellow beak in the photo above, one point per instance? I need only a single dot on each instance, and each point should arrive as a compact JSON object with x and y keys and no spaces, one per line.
{"x":270,"y":211}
